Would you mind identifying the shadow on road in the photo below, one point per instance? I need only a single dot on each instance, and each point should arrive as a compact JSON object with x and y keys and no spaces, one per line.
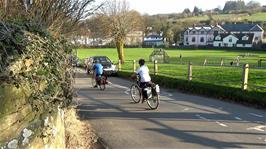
{"x":100,"y":108}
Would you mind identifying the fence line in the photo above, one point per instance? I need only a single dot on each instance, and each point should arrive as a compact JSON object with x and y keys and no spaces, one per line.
{"x":243,"y":82}
{"x":257,"y":86}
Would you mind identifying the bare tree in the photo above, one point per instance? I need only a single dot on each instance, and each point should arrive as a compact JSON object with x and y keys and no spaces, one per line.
{"x":59,"y":16}
{"x":120,"y":20}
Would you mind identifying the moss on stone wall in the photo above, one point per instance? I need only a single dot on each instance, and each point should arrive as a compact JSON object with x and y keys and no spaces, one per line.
{"x":12,"y":98}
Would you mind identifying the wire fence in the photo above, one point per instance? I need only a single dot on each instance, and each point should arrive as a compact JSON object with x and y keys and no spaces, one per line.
{"x":222,"y":75}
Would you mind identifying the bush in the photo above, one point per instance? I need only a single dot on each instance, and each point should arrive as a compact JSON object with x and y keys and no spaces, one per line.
{"x":31,"y":58}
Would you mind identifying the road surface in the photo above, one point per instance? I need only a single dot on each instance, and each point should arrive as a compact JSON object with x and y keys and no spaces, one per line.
{"x":181,"y":121}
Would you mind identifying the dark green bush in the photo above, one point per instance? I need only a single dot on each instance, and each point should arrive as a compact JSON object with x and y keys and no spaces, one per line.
{"x":32,"y":58}
{"x":257,"y":99}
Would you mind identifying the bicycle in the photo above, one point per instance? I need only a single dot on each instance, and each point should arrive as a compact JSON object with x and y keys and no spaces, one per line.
{"x":100,"y":81}
{"x":152,"y":94}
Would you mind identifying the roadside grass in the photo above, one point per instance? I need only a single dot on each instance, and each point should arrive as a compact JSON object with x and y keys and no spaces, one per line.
{"x":207,"y":80}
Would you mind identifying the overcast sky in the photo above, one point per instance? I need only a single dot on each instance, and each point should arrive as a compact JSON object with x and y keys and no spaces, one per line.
{"x":174,"y":6}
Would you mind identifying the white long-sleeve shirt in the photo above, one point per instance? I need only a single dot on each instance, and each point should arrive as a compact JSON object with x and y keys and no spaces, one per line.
{"x":143,"y":71}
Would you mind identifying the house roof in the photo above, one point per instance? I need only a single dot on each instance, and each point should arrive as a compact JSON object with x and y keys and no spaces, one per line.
{"x":249,"y":41}
{"x":153,"y":36}
{"x":149,"y":41}
{"x":241,"y":27}
{"x":222,"y":35}
{"x":207,"y":28}
{"x":256,"y":28}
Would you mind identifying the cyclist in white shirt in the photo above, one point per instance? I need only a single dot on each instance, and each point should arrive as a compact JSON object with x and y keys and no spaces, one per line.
{"x":143,"y":72}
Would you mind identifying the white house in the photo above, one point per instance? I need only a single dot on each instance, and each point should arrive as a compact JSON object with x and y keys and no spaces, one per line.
{"x":246,"y":40}
{"x":227,"y":35}
{"x":200,"y":35}
{"x":230,"y":41}
{"x":245,"y":29}
{"x":153,"y":40}
{"x":234,"y":40}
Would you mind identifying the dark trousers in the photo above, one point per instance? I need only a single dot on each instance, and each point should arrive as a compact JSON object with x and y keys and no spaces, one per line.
{"x":143,"y":85}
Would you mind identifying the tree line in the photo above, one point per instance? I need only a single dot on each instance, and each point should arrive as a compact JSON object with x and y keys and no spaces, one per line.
{"x":238,"y":6}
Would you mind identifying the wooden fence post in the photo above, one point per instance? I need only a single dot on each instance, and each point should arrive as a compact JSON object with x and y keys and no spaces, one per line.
{"x":259,"y":63}
{"x":205,"y":62}
{"x":222,"y":62}
{"x":190,"y":71}
{"x":155,"y":67}
{"x":245,"y":77}
{"x":119,"y":65}
{"x":134,"y":65}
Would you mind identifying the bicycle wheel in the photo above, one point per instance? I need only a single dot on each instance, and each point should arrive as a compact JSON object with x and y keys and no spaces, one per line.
{"x":93,"y":82}
{"x":153,"y":102}
{"x":102,"y":83}
{"x":135,"y":93}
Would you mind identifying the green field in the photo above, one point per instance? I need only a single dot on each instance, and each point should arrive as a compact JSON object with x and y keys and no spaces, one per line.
{"x":213,"y":73}
{"x":261,"y":16}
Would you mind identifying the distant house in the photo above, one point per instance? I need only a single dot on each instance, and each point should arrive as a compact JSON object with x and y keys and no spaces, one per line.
{"x":227,"y":35}
{"x":200,"y":35}
{"x":134,"y":38}
{"x":245,"y":40}
{"x":153,"y":40}
{"x":233,"y":40}
{"x":245,"y":29}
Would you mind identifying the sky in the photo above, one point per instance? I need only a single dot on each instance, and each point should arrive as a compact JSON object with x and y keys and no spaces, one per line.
{"x":174,"y":6}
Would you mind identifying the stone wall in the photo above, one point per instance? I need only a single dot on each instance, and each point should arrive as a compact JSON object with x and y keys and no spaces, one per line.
{"x":35,"y":83}
{"x":46,"y":131}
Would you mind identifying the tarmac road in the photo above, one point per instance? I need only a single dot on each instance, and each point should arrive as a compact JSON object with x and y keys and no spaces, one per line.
{"x":182,"y":121}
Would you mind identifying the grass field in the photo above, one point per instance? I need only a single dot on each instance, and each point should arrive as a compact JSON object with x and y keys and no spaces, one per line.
{"x":214,"y":74}
{"x":261,"y":16}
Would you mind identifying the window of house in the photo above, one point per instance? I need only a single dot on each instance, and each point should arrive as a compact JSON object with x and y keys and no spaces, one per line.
{"x":201,"y":39}
{"x":245,"y":37}
{"x":194,"y":32}
{"x":202,"y":32}
{"x":218,"y":37}
{"x":256,"y":38}
{"x":187,"y":39}
{"x":193,"y":39}
{"x":230,"y":39}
